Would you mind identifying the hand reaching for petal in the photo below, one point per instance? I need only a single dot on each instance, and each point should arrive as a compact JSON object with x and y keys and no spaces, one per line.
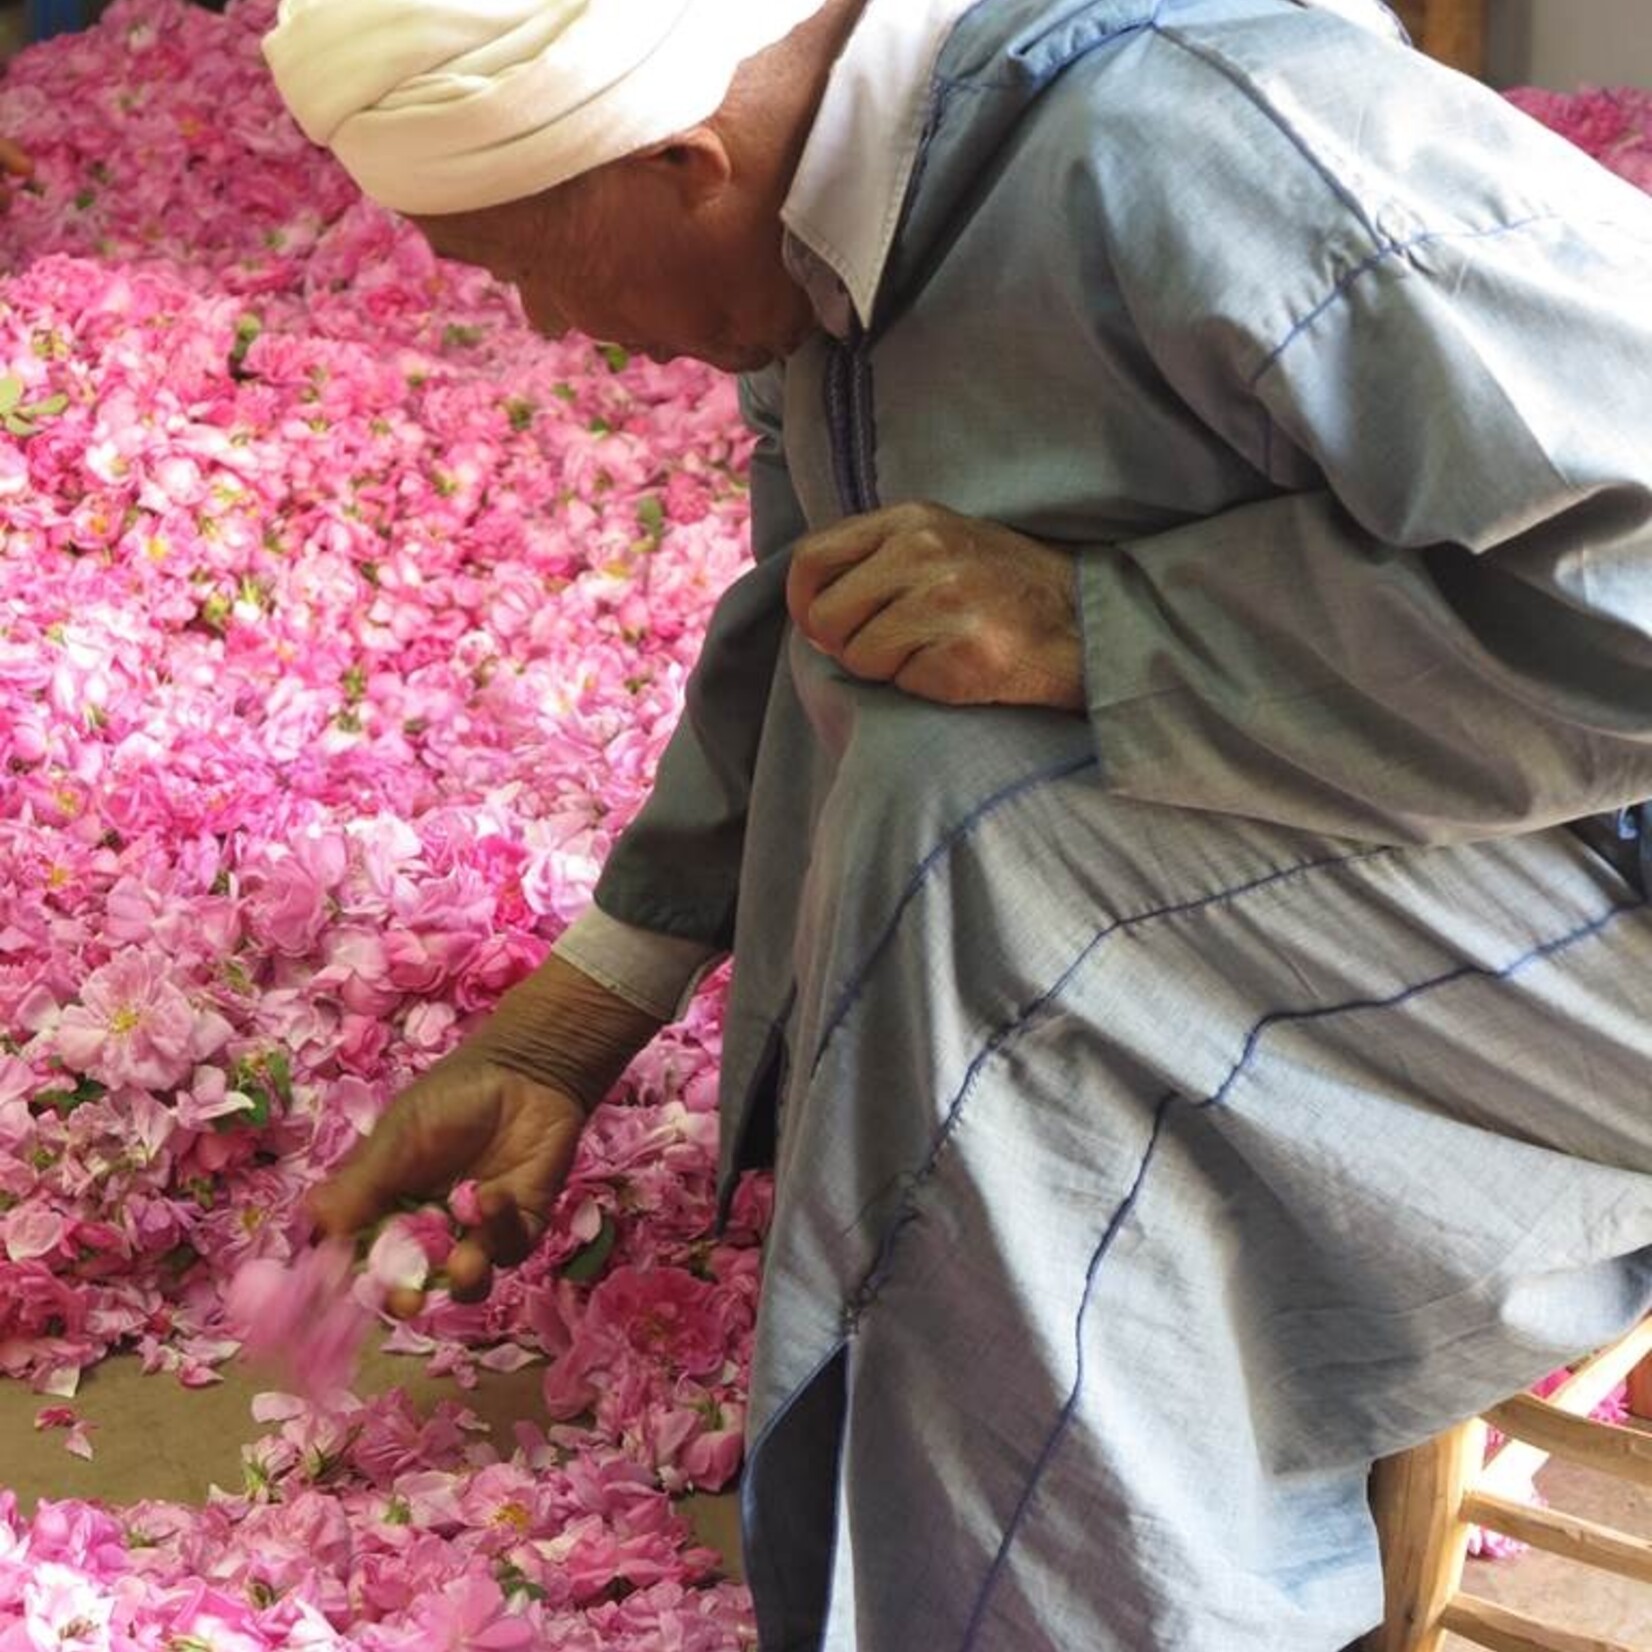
{"x":946,"y":607}
{"x":505,"y":1109}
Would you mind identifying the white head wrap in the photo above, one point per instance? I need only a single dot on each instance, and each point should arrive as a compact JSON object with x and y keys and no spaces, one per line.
{"x":438,"y":106}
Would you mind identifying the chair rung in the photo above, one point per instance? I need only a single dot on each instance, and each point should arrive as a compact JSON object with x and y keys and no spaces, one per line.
{"x":1513,"y":1464}
{"x":1568,"y":1535}
{"x":1625,"y":1453}
{"x":1503,"y":1630}
{"x":1598,"y":1375}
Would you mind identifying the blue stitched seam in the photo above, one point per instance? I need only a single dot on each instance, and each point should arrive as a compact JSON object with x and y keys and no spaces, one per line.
{"x":1086,"y":41}
{"x":838,"y":423}
{"x":978,"y":1616}
{"x":865,"y":416}
{"x":855,"y":1308}
{"x":1389,"y":249}
{"x":1465,"y":972}
{"x":857,"y":982}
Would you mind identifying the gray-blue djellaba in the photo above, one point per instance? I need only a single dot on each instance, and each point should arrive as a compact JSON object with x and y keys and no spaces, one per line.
{"x":1176,"y":1108}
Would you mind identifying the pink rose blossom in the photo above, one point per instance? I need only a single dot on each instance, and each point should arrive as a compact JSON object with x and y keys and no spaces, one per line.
{"x":135,"y":1025}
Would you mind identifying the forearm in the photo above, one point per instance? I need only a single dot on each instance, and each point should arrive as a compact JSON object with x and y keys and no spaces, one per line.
{"x":565,"y":1030}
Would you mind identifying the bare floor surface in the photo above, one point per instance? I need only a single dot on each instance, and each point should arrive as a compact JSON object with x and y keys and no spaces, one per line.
{"x":153,"y":1438}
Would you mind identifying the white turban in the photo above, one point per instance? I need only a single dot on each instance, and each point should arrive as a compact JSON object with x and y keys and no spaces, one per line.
{"x":438,"y":106}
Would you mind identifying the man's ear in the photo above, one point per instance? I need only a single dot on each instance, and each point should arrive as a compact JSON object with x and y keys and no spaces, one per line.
{"x":696,"y":164}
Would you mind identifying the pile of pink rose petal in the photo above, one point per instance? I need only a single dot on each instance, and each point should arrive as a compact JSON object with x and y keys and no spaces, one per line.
{"x":1613,"y":123}
{"x":341,"y":625}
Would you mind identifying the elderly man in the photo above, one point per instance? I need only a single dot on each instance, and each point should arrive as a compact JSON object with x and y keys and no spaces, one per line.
{"x":1166,"y":782}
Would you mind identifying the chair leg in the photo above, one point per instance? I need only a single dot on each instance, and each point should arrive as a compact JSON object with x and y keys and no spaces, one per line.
{"x":1417,"y":1499}
{"x":1640,"y":1391}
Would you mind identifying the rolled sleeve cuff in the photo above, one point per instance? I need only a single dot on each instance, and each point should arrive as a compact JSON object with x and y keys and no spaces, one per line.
{"x":656,"y":973}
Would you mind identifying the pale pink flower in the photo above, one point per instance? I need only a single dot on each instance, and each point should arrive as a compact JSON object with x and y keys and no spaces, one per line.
{"x":65,"y":1610}
{"x":78,"y":1438}
{"x":135,"y":1025}
{"x":31,"y":1231}
{"x":470,"y":1615}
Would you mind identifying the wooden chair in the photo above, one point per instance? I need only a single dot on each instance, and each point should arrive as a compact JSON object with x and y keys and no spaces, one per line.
{"x":1427,"y":1499}
{"x":1452,"y":30}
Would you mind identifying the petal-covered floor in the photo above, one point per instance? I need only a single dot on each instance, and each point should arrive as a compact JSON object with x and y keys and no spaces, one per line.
{"x":341,"y":623}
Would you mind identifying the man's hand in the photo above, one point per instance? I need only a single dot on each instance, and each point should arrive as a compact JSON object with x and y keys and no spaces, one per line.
{"x":946,"y":607}
{"x":506,"y":1108}
{"x":14,"y":163}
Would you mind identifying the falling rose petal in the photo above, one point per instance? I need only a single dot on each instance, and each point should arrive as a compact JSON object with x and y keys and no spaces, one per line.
{"x":301,"y":1317}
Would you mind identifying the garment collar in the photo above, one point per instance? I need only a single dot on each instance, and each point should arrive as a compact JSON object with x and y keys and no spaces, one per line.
{"x":845,"y":201}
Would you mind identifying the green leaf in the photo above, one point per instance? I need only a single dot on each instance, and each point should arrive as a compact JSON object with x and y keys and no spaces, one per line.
{"x":66,"y":1101}
{"x":19,"y":426}
{"x":617,"y":357}
{"x":48,"y":409}
{"x":11,"y":392}
{"x":254,"y":1117}
{"x":247,"y":329}
{"x":651,"y":517}
{"x":459,"y":336}
{"x":514,"y":1582}
{"x":279,"y":1070}
{"x":584,"y":1266}
{"x":266,"y":1080}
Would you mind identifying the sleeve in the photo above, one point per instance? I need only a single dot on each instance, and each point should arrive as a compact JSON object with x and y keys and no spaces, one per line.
{"x":1441,"y":626}
{"x":676,"y":868}
{"x":655,"y":973}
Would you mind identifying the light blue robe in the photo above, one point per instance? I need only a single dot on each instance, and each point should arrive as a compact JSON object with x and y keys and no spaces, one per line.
{"x":1179,"y":1107}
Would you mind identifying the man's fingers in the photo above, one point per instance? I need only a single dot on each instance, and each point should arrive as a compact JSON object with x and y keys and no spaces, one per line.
{"x":506,"y":1235}
{"x":880,"y":650}
{"x":849,"y":603}
{"x":404,"y":1302}
{"x":14,"y":159}
{"x":508,"y":1232}
{"x":349,"y":1201}
{"x":383,"y":1169}
{"x":823,"y":558}
{"x":469,"y":1269}
{"x":512,"y":1224}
